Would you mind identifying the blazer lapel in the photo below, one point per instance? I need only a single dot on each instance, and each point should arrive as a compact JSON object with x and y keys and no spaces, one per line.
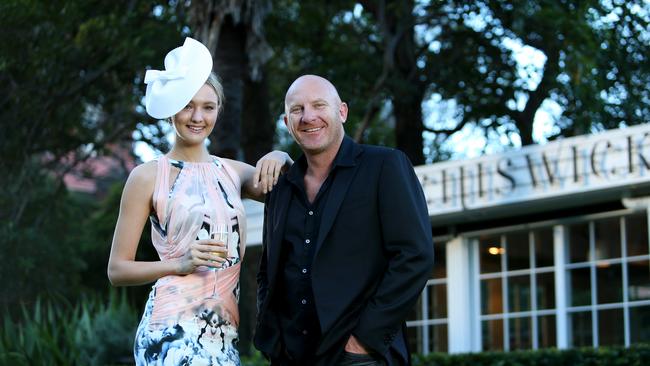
{"x":337,"y":193}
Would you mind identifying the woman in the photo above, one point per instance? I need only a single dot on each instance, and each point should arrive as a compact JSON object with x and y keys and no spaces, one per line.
{"x":193,"y":201}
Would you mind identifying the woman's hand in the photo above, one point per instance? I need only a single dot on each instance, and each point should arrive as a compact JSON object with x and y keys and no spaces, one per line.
{"x":268,"y":169}
{"x":205,"y":252}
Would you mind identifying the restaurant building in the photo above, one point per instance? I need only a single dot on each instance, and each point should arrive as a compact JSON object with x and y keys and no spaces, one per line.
{"x":543,"y":246}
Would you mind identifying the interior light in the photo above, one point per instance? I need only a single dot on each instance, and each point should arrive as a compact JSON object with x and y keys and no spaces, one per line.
{"x":495,"y":250}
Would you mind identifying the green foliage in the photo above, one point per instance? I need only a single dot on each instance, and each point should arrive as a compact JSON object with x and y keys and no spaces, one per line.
{"x":325,"y":39}
{"x":68,"y":72}
{"x":595,"y":67}
{"x":635,"y":355}
{"x":106,"y":332}
{"x":70,"y":84}
{"x":57,"y":333}
{"x":40,"y":254}
{"x":255,"y":358}
{"x":94,"y":245}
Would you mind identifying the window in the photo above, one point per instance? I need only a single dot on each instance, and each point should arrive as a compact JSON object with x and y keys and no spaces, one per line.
{"x":427,"y":324}
{"x":605,"y":274}
{"x":608,"y":275}
{"x":574,"y":282}
{"x":517,"y":289}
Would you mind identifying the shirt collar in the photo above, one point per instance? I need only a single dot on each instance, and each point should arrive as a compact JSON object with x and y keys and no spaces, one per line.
{"x":345,"y":157}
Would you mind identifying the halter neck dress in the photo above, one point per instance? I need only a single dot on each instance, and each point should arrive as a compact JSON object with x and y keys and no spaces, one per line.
{"x":193,"y":319}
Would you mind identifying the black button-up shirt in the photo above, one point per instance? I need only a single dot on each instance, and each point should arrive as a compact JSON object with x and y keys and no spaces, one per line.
{"x":299,"y":320}
{"x":295,"y":300}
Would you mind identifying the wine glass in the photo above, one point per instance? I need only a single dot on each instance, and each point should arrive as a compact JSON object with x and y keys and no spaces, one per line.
{"x":220,"y":234}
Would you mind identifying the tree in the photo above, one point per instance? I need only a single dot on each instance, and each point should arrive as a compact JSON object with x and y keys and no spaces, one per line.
{"x":594,"y":68}
{"x":587,"y":45}
{"x":465,"y":55}
{"x":234,"y":33}
{"x":401,"y":75}
{"x":70,"y":84}
{"x":326,"y":38}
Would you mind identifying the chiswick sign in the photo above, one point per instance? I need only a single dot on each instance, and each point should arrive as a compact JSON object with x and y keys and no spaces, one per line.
{"x":565,"y":167}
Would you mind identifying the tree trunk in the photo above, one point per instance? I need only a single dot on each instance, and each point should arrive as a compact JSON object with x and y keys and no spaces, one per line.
{"x":258,"y":127}
{"x":395,"y":19}
{"x":408,"y":126}
{"x":525,"y":119}
{"x":233,"y":30}
{"x":406,"y":87}
{"x":230,"y":65}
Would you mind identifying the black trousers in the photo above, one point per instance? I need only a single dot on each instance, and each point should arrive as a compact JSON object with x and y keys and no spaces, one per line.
{"x":346,"y":359}
{"x":355,"y":359}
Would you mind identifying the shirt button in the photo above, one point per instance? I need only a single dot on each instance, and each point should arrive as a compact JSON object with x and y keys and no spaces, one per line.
{"x":311,"y":213}
{"x":303,"y":301}
{"x":304,"y":270}
{"x":307,"y":241}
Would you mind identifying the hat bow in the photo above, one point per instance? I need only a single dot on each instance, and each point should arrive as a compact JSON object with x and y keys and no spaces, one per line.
{"x":163,"y":75}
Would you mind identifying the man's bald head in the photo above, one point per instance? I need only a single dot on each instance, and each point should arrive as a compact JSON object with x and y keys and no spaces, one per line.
{"x":325,"y":87}
{"x":314,"y":115}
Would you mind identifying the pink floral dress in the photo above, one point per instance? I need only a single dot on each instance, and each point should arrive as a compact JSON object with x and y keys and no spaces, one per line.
{"x":193,"y":319}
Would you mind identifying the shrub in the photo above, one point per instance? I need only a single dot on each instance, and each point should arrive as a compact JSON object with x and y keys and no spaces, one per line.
{"x":55,"y":333}
{"x":636,"y":355}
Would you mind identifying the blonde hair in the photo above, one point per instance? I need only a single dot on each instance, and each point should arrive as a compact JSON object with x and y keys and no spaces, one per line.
{"x":215,"y":83}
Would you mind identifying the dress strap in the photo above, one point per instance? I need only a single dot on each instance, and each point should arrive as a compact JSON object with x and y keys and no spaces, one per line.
{"x":233,"y":186}
{"x":161,"y":189}
{"x":230,"y":173}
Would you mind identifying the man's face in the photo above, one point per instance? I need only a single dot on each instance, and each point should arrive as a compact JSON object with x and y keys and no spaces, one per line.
{"x":314,"y":115}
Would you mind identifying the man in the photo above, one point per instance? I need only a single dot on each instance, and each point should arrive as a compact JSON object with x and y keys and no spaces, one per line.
{"x":347,"y":243}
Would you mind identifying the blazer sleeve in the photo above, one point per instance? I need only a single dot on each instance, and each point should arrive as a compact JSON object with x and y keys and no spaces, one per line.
{"x":407,"y":240}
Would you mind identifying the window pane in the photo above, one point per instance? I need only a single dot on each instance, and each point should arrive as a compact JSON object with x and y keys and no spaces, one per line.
{"x":518,"y":293}
{"x":518,"y":250}
{"x":637,"y":234}
{"x":492,"y":333}
{"x":546,"y":290}
{"x":610,"y":327}
{"x":609,"y":281}
{"x":491,"y":298}
{"x":490,"y":251}
{"x":520,"y":337}
{"x":640,"y":324}
{"x":607,"y":234}
{"x":578,"y":242}
{"x":437,"y":301}
{"x":546,"y":331}
{"x":438,"y":338}
{"x":638,"y":280}
{"x":440,"y":260}
{"x":581,"y":329}
{"x":580,"y":280}
{"x":544,"y":247}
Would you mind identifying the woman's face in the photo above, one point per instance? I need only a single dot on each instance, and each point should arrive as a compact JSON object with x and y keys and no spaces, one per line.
{"x":194,"y":123}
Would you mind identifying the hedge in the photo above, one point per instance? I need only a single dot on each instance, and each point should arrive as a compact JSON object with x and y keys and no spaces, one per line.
{"x":636,"y":355}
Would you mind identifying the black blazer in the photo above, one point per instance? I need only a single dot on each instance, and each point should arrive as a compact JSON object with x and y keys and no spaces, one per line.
{"x":373,"y":255}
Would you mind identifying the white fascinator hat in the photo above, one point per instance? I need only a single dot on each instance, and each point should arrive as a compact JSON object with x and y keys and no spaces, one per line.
{"x":186,"y":69}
